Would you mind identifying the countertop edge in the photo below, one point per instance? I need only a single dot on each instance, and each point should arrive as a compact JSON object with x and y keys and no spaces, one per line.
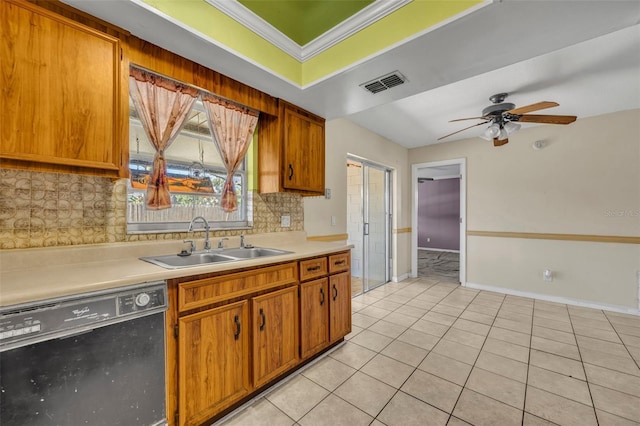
{"x":19,"y":286}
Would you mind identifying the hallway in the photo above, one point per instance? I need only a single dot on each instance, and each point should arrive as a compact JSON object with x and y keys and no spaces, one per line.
{"x":441,"y":265}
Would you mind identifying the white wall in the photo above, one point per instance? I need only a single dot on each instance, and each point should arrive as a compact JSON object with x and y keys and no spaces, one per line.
{"x":342,"y":138}
{"x":585,"y":181}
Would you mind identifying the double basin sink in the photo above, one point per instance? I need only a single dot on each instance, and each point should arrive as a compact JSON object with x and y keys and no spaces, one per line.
{"x":202,"y":258}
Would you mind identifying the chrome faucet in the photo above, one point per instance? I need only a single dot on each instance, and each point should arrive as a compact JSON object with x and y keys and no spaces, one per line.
{"x":241,"y":240}
{"x":221,"y":242}
{"x":207,"y":243}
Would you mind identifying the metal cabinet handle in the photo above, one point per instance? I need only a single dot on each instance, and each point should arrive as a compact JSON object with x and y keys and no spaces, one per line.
{"x":322,"y":296}
{"x":335,"y":292}
{"x":342,"y":262}
{"x":290,"y":171}
{"x":263,"y":320}
{"x":236,"y":320}
{"x":313,"y":268}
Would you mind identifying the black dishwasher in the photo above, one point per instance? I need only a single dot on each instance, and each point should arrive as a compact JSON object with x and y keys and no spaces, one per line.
{"x":93,"y":359}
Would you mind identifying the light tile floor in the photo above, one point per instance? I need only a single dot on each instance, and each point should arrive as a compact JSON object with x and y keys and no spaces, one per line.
{"x":426,"y":352}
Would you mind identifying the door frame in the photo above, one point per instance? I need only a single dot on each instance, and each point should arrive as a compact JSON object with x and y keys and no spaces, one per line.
{"x":462,"y":163}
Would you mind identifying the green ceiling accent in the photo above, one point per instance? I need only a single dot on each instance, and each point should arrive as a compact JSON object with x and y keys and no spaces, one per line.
{"x":225,"y":31}
{"x":304,"y":20}
{"x":405,"y":22}
{"x":415,"y":17}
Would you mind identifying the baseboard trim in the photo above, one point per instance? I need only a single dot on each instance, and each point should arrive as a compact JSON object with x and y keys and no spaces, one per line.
{"x":400,"y":278}
{"x":556,"y":299}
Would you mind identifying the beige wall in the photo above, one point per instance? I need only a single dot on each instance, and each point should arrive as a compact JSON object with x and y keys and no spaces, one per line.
{"x":585,"y":181}
{"x":344,"y":137}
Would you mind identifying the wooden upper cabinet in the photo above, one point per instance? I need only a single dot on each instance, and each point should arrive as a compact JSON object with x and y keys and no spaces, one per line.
{"x":291,"y":154}
{"x":303,"y":153}
{"x":61,"y":100}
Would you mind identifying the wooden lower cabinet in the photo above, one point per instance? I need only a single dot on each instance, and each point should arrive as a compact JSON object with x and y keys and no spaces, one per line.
{"x":325,"y":303}
{"x":213,"y":367}
{"x":230,"y":335}
{"x":340,"y":305}
{"x":314,"y":316}
{"x":275,"y":334}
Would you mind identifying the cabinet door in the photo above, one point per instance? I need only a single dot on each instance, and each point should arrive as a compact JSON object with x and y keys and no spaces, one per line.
{"x":340,"y":305}
{"x":60,"y":90}
{"x":213,"y":365}
{"x":303,"y":153}
{"x":314,"y":316}
{"x":275,"y":334}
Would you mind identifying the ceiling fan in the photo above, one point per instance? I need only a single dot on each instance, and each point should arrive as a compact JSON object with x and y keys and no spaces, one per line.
{"x":504,"y":118}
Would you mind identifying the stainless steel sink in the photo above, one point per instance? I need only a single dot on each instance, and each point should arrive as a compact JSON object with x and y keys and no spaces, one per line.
{"x":253,"y":252}
{"x":176,"y":261}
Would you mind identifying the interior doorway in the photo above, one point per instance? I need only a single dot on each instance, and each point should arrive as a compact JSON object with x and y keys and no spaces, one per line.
{"x":368,"y":224}
{"x":438,"y":246}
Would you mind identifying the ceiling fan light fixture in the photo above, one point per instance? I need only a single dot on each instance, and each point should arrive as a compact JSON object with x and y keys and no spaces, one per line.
{"x":503,"y":134}
{"x":492,"y":131}
{"x":511,"y":127}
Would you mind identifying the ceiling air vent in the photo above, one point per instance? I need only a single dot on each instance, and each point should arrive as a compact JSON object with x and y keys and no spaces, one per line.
{"x":385,"y":82}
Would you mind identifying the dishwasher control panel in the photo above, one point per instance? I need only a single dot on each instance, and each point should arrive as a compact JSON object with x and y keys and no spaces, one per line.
{"x":56,"y":318}
{"x":142,"y":300}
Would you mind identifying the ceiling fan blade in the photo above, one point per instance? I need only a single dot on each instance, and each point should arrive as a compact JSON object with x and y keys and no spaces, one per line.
{"x":533,"y":107}
{"x":550,"y":119}
{"x":468,"y":118}
{"x":462,"y":130}
{"x":500,"y":142}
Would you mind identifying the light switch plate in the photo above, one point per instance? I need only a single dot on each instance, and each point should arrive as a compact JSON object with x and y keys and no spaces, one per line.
{"x":285,"y":221}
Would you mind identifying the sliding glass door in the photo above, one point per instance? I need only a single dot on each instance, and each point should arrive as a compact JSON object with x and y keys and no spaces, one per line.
{"x":369,"y":211}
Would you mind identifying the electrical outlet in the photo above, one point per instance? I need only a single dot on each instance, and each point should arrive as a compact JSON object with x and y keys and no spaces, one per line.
{"x":547,"y":275}
{"x":285,"y":221}
{"x":333,"y":220}
{"x":428,"y":239}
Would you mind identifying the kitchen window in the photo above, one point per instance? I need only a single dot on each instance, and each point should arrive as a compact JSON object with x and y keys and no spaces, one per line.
{"x":196,"y":175}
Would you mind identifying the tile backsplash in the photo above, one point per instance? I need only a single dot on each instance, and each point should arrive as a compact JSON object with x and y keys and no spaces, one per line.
{"x":49,"y":209}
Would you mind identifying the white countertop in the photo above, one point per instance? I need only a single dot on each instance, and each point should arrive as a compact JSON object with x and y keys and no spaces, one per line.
{"x":29,"y":275}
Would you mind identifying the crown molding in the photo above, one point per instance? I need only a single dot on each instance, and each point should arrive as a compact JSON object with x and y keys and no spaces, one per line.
{"x":367,"y":16}
{"x":246,"y":17}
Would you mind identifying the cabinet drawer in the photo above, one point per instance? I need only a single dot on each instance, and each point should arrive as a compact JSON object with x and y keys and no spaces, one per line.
{"x":339,"y":262}
{"x":313,"y":268}
{"x":195,"y":294}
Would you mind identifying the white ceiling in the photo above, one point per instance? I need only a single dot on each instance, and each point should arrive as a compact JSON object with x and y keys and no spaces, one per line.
{"x":585,"y":55}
